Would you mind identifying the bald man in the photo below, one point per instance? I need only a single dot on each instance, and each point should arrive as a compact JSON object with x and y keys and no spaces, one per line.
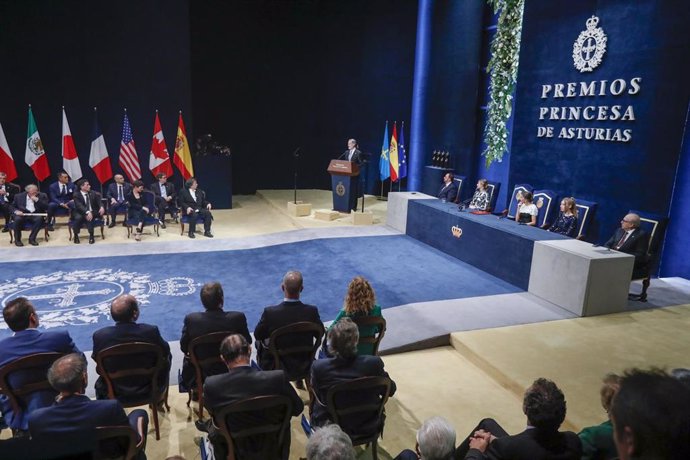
{"x":29,"y":202}
{"x":125,"y":312}
{"x":117,"y":197}
{"x":631,"y":239}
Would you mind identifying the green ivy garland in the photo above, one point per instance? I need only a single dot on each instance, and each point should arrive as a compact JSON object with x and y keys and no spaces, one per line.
{"x":503,"y":67}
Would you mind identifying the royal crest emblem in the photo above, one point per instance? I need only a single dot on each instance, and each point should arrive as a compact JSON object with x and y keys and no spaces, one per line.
{"x":590,"y":46}
{"x":340,"y":189}
{"x":456,"y":231}
{"x":540,"y":202}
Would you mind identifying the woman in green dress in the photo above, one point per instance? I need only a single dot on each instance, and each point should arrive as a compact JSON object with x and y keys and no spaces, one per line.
{"x":360,"y":301}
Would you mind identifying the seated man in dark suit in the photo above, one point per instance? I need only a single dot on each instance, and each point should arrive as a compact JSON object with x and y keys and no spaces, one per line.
{"x":117,"y":198}
{"x":125,"y":311}
{"x":7,"y":192}
{"x":544,"y":406}
{"x":20,"y":316}
{"x":28,"y":202}
{"x":290,"y":311}
{"x":345,"y":365}
{"x":449,"y":189}
{"x":631,"y":239}
{"x":166,"y":198}
{"x":87,"y":208}
{"x":214,"y":319}
{"x":193,"y":203}
{"x":435,"y":441}
{"x":61,"y":196}
{"x":243,"y":381}
{"x":74,"y":413}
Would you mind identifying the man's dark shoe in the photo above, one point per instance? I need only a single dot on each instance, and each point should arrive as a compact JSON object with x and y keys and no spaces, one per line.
{"x":111,"y":224}
{"x":163,"y":224}
{"x":208,"y":234}
{"x":76,"y":239}
{"x":176,"y":219}
{"x":5,"y":229}
{"x":91,"y":239}
{"x":51,"y":228}
{"x":202,"y":425}
{"x":191,"y":235}
{"x":33,"y":242}
{"x":18,"y":243}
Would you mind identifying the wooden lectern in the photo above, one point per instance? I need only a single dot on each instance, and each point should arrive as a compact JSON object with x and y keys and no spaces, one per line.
{"x":344,"y":178}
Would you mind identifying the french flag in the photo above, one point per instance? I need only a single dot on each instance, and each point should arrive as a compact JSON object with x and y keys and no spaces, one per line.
{"x":6,"y":160}
{"x":98,"y":158}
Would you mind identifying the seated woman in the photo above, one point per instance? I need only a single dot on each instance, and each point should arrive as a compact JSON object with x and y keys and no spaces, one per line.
{"x":566,"y":223}
{"x":597,"y":441}
{"x":480,"y":199}
{"x":360,"y":301}
{"x":527,"y":211}
{"x":138,"y":211}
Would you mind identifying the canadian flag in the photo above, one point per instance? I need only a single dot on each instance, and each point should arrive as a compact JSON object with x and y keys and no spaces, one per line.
{"x":70,"y":161}
{"x":35,"y":155}
{"x":6,"y":161}
{"x":159,"y":159}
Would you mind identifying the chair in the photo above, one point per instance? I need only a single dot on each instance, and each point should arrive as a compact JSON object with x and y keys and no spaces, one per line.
{"x":492,"y":189}
{"x":27,"y":227}
{"x":585,"y":216}
{"x":98,"y":221}
{"x":655,"y":225}
{"x":154,"y":397}
{"x":547,"y":205}
{"x":204,"y":367}
{"x":296,"y":360}
{"x":119,"y":442}
{"x":151,"y":219}
{"x":256,"y":428}
{"x":513,"y":204}
{"x":30,"y":378}
{"x":459,"y":181}
{"x":184,"y":219}
{"x":374,"y":340}
{"x":345,"y":402}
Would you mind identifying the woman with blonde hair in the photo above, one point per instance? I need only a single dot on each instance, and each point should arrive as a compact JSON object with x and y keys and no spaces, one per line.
{"x":360,"y":301}
{"x":597,"y":441}
{"x":566,"y":223}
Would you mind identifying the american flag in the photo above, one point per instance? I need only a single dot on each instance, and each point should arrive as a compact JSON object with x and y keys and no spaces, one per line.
{"x":129,"y":161}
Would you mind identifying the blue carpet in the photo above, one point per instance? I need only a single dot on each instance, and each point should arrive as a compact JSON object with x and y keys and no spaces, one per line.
{"x":75,"y":294}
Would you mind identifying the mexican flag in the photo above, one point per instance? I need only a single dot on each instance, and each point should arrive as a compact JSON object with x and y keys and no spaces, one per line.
{"x":34,"y":155}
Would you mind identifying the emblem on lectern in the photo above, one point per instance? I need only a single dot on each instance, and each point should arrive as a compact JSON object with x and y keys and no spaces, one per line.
{"x":340,"y":189}
{"x":456,"y":231}
{"x":590,"y":46}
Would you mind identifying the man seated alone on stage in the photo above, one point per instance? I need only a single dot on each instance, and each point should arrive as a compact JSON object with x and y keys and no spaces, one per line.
{"x":165,"y":198}
{"x":61,"y":193}
{"x":449,"y":189}
{"x":631,"y":239}
{"x":29,"y":202}
{"x":87,"y":208}
{"x":194,"y":204}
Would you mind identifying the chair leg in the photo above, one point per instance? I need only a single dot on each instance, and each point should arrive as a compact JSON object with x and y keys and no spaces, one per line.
{"x":645,"y":286}
{"x":181,"y":227}
{"x":374,"y":449}
{"x":154,"y":409}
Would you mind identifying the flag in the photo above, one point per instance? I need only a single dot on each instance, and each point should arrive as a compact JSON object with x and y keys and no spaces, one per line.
{"x":70,"y":161}
{"x":98,"y":158}
{"x":6,"y":160}
{"x":129,"y":161}
{"x":159,"y":158}
{"x":34,"y":155}
{"x":402,"y":170}
{"x":384,"y":164}
{"x":394,"y":155}
{"x":183,"y":157}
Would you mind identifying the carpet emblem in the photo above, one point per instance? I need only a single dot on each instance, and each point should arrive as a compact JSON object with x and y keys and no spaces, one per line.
{"x":456,"y":231}
{"x":83,"y":296}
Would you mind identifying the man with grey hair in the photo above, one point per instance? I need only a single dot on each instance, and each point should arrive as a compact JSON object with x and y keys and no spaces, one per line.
{"x":291,"y":310}
{"x":29,"y":202}
{"x":345,"y":365}
{"x":435,"y":441}
{"x":631,"y":239}
{"x":330,"y":443}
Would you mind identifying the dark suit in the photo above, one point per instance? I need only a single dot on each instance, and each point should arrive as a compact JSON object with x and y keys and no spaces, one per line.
{"x":24,"y":343}
{"x":81,"y":208}
{"x":58,"y":198}
{"x":199,"y":323}
{"x":6,"y":200}
{"x":637,"y":245}
{"x":198,"y":208}
{"x":127,"y":333}
{"x":531,"y":444}
{"x":246,"y":382}
{"x":328,"y":372}
{"x":19,"y":204}
{"x":356,"y":157}
{"x":121,"y":204}
{"x":275,"y":317}
{"x":163,"y":205}
{"x":448,"y":192}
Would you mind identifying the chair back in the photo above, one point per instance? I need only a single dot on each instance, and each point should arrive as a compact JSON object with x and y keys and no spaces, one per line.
{"x":492,"y":188}
{"x":116,"y":442}
{"x":513,"y":204}
{"x":459,"y":181}
{"x":548,"y":206}
{"x":655,"y":226}
{"x":256,"y":428}
{"x":357,"y":406}
{"x":24,"y":376}
{"x":377,"y":324}
{"x":204,"y":354}
{"x":294,"y":347}
{"x":585,"y":215}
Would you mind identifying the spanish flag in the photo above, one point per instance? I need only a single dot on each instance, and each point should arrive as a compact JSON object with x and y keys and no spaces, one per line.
{"x":183,"y":157}
{"x":393,"y":155}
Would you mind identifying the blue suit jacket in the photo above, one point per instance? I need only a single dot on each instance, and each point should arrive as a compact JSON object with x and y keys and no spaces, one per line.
{"x":112,"y":191}
{"x":77,"y":413}
{"x":56,"y":196}
{"x":24,"y":343}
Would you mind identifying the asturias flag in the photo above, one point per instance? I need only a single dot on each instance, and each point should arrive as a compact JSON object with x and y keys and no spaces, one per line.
{"x":98,"y":158}
{"x":402,"y":171}
{"x":384,"y":163}
{"x":70,"y":161}
{"x":34,"y":155}
{"x":6,"y":160}
{"x":159,"y":159}
{"x":394,"y":155}
{"x":183,"y":157}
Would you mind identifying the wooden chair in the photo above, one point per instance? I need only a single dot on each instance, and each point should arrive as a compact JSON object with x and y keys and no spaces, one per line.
{"x":204,"y":367}
{"x":371,"y":321}
{"x":340,"y":406}
{"x":256,"y":428}
{"x":154,"y":398}
{"x":119,"y":442}
{"x":27,"y":227}
{"x":304,"y":354}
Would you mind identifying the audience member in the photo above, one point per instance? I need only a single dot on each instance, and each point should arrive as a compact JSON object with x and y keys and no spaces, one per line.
{"x":7,"y":192}
{"x":291,"y":310}
{"x":213,"y":319}
{"x":87,"y":204}
{"x":651,"y":417}
{"x":597,"y":441}
{"x":527,"y":211}
{"x":117,"y":197}
{"x":61,"y":196}
{"x":544,"y":406}
{"x":193,"y":203}
{"x":165,"y":197}
{"x":566,"y":223}
{"x":480,"y":199}
{"x":345,"y":365}
{"x":330,"y":443}
{"x":137,"y":209}
{"x":435,"y":441}
{"x":125,"y":311}
{"x":243,"y":381}
{"x":449,"y":189}
{"x":29,"y":202}
{"x":682,"y":374}
{"x":631,"y":239}
{"x":21,"y":317}
{"x":74,"y":413}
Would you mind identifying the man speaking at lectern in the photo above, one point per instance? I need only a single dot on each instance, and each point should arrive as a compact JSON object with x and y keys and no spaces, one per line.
{"x":352,"y":153}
